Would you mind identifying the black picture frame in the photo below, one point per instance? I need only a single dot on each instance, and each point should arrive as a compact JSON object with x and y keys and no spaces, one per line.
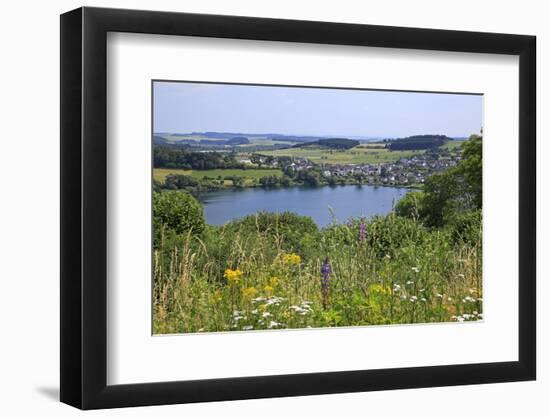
{"x":84,"y":207}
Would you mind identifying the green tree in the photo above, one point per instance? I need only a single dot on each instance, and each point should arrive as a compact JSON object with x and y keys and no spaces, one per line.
{"x":308,"y":177}
{"x":238,"y":181}
{"x":411,"y":205}
{"x":471,"y":169}
{"x":457,"y":190}
{"x":177,"y":211}
{"x":179,"y":182}
{"x":439,"y":193}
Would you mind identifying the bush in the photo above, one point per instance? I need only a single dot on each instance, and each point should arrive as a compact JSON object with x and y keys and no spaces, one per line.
{"x":295,"y":232}
{"x":410,"y":205}
{"x":388,"y":233}
{"x":177,"y":211}
{"x":466,"y":227}
{"x":385,"y":235}
{"x":179,"y":182}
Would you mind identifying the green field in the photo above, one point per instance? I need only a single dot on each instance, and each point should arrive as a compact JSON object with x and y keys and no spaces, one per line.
{"x":159,"y":174}
{"x":357,"y":155}
{"x":452,"y":144}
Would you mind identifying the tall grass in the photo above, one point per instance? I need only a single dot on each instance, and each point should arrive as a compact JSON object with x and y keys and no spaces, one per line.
{"x":249,"y":276}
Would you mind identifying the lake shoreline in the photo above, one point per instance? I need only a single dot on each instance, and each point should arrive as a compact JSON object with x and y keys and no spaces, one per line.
{"x":258,"y":186}
{"x":323,"y":204}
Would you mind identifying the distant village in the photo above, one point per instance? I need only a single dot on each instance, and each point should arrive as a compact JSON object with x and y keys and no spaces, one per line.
{"x":405,"y":171}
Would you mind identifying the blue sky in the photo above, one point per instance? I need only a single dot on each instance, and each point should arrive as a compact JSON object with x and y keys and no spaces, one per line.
{"x":186,"y":107}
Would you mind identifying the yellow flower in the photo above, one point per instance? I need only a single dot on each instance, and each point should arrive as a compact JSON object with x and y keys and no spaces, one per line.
{"x":249,"y":293}
{"x":233,"y":275}
{"x":274,"y":281}
{"x":218,"y":296}
{"x":268,"y":289}
{"x":291,"y":258}
{"x":379,"y":289}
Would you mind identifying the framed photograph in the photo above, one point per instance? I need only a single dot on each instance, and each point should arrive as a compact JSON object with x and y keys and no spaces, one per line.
{"x":259,"y":208}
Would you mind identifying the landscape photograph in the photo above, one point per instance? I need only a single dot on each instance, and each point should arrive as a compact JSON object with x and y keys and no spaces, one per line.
{"x":285,"y":207}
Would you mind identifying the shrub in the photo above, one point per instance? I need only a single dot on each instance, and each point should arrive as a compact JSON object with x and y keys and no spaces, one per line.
{"x":410,"y":205}
{"x":294,"y":232}
{"x":177,"y":211}
{"x":388,"y":233}
{"x":179,"y":182}
{"x":466,"y":227}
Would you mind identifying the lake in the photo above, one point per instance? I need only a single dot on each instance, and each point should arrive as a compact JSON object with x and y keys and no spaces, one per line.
{"x":345,"y":201}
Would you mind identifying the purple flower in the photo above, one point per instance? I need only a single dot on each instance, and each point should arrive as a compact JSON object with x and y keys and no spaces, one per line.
{"x":349,"y":223}
{"x":326,"y":272}
{"x":362,"y":231}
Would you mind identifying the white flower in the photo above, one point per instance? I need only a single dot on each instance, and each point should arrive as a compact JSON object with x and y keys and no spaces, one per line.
{"x":413,"y":298}
{"x":449,"y":299}
{"x":274,"y":300}
{"x":461,"y":275}
{"x":258,"y":299}
{"x":439,"y":295}
{"x":301,"y":310}
{"x":266,"y":314}
{"x":306,"y":305}
{"x":273,"y":324}
{"x":255,"y":311}
{"x":409,"y":283}
{"x":248,"y":327}
{"x":423,"y":299}
{"x":415,"y":269}
{"x":237,"y":315}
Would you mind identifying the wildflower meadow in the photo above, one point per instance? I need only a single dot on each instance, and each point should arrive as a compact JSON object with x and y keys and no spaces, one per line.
{"x":279,"y":271}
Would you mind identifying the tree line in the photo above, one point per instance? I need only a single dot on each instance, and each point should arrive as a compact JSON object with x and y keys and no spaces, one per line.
{"x":333,"y":143}
{"x":174,"y":158}
{"x":417,"y":142}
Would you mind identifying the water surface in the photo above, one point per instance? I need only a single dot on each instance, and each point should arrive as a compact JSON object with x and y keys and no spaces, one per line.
{"x":345,"y":201}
